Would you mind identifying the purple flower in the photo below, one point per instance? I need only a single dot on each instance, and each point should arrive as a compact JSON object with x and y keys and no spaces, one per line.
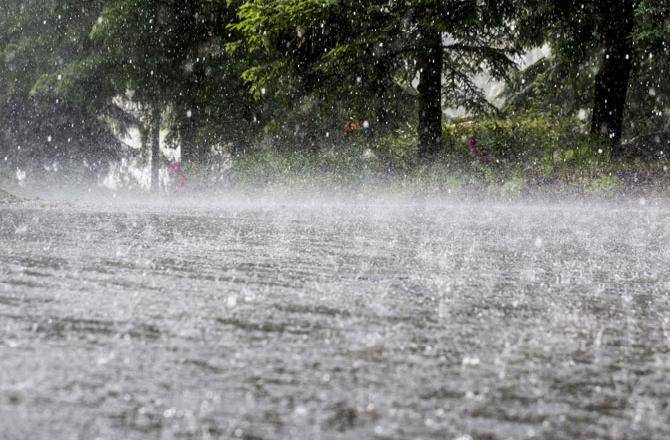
{"x":474,"y":151}
{"x":487,"y":158}
{"x":174,"y":168}
{"x":472,"y":142}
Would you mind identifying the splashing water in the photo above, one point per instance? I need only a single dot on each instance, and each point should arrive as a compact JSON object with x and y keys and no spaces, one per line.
{"x":337,"y":319}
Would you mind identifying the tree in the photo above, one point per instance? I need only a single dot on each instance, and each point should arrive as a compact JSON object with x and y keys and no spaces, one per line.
{"x":622,"y":41}
{"x":649,"y":95}
{"x":169,"y":56}
{"x":37,"y":39}
{"x":351,"y":47}
{"x":616,"y":20}
{"x":134,"y":35}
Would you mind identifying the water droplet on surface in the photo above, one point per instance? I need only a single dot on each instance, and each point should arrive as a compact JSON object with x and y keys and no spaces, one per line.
{"x":231,"y":301}
{"x":301,"y":411}
{"x":469,"y":361}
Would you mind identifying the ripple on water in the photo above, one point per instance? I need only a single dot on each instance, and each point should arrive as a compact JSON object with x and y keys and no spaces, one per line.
{"x":358,"y":321}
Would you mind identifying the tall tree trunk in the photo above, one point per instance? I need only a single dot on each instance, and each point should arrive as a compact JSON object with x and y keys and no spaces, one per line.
{"x":430,"y":94}
{"x":144,"y":141}
{"x":189,"y":47}
{"x":155,"y":147}
{"x":617,"y":18}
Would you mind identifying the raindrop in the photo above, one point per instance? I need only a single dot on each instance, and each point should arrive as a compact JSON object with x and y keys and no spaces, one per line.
{"x":231,"y":301}
{"x":470,"y":361}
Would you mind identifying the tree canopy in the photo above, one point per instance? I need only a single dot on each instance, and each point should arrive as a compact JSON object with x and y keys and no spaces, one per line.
{"x":236,"y":75}
{"x":609,"y":57}
{"x":356,"y":50}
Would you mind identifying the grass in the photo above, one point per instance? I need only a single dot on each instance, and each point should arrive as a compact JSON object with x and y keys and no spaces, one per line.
{"x":364,"y":169}
{"x":529,"y":155}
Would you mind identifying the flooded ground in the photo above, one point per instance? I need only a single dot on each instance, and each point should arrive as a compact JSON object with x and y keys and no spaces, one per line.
{"x":426,"y":320}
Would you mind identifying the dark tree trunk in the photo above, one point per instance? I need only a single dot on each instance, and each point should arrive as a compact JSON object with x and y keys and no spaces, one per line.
{"x":430,"y":94}
{"x":144,"y":140}
{"x":155,"y":147}
{"x":188,"y":48}
{"x":617,"y":18}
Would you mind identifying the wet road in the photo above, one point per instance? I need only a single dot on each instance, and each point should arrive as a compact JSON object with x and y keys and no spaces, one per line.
{"x":387,"y":320}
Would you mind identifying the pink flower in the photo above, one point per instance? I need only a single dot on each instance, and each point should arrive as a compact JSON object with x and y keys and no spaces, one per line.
{"x":174,"y":168}
{"x":472,"y":143}
{"x":487,"y":158}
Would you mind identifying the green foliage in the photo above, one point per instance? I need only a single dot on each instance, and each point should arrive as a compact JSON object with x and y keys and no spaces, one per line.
{"x":330,"y":167}
{"x":608,"y":185}
{"x":546,"y":145}
{"x":513,"y":187}
{"x":274,"y":81}
{"x":552,"y":87}
{"x":398,"y":149}
{"x":528,"y":154}
{"x":364,"y":54}
{"x":38,"y":38}
{"x":171,"y":55}
{"x":563,"y":84}
{"x":649,"y":96}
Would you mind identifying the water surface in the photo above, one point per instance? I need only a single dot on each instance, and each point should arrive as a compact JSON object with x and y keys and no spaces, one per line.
{"x":340,"y":319}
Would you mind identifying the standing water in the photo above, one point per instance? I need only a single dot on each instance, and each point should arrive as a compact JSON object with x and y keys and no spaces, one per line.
{"x":335,"y":320}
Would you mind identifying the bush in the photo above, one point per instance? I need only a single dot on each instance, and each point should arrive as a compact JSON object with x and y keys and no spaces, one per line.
{"x":513,"y":187}
{"x":334,"y":166}
{"x":398,"y":150}
{"x":509,"y":158}
{"x":606,"y":185}
{"x":536,"y":146}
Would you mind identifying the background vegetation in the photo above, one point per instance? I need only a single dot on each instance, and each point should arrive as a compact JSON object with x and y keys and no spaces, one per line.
{"x":338,"y":92}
